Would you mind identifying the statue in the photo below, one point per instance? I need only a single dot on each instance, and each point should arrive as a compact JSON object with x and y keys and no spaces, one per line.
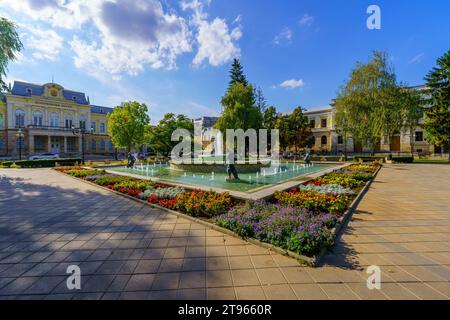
{"x":231,"y":168}
{"x":131,"y":160}
{"x":307,"y":158}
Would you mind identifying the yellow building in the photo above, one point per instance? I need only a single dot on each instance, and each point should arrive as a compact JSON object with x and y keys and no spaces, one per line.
{"x":46,"y":115}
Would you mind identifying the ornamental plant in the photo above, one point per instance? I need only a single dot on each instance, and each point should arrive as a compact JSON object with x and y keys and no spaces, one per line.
{"x":289,"y":227}
{"x":138,"y":185}
{"x":345,"y":179}
{"x":204,"y":203}
{"x":82,"y":173}
{"x":314,"y":201}
{"x":327,"y":189}
{"x":111,"y":180}
{"x":161,"y":193}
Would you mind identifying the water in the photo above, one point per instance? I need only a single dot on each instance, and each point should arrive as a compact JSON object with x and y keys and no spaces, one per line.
{"x":249,"y":181}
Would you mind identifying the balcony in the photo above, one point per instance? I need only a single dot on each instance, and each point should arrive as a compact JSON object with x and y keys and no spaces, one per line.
{"x":48,"y":128}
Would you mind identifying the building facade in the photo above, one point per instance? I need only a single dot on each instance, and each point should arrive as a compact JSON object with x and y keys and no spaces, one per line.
{"x":40,"y":118}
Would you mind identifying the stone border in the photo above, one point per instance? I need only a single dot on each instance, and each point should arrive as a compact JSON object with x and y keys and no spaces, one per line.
{"x":302,"y":259}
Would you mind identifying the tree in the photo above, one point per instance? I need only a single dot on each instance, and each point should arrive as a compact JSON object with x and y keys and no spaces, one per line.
{"x":295,"y":130}
{"x":239,"y":110}
{"x":10,"y":46}
{"x":127,"y":125}
{"x":260,"y":100}
{"x":270,"y":118}
{"x":159,"y":137}
{"x":437,"y":120}
{"x":367,"y":104}
{"x":237,"y":74}
{"x":412,"y":104}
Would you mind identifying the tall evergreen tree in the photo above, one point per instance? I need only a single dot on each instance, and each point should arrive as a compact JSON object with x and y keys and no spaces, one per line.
{"x":437,"y":122}
{"x":10,"y":45}
{"x":237,"y":73}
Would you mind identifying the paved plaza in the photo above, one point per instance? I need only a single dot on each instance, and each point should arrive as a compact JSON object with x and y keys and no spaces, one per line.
{"x":128,"y":250}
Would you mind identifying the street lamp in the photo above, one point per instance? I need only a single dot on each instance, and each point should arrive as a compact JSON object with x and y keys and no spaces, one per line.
{"x":20,"y":135}
{"x":82,"y":132}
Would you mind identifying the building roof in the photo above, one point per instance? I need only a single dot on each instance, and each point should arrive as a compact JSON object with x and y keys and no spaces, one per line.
{"x":101,"y":110}
{"x":26,"y":89}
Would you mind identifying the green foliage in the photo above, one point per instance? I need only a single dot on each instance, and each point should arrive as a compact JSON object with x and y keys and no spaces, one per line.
{"x":367,"y":106}
{"x":403,"y":159}
{"x":270,"y":118}
{"x":204,"y":203}
{"x":237,"y":74}
{"x":160,"y":136}
{"x":127,"y":125}
{"x":239,"y":111}
{"x":82,"y":173}
{"x":295,"y":130}
{"x":41,"y":163}
{"x":111,"y":180}
{"x":437,"y":122}
{"x":10,"y":46}
{"x":260,"y":100}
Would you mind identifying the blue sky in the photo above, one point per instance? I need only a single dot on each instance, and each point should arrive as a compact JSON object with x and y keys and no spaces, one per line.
{"x":175,"y":55}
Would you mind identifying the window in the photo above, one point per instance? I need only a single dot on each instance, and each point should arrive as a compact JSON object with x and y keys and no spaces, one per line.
{"x":82,"y":122}
{"x":68,"y":121}
{"x":94,"y":126}
{"x":20,"y":118}
{"x":324,"y":140}
{"x":94,"y":145}
{"x":102,"y":127}
{"x":2,"y":121}
{"x":38,"y":119}
{"x":323,"y":123}
{"x":102,"y":145}
{"x":340,"y":140}
{"x":54,"y":120}
{"x":419,"y":136}
{"x":29,"y":91}
{"x":312,"y":123}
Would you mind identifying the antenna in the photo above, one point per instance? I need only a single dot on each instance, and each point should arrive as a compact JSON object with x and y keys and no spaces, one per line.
{"x":53,"y":79}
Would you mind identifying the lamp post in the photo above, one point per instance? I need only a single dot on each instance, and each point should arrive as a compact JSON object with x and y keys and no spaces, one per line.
{"x":448,"y":134}
{"x":82,"y":132}
{"x":20,"y":135}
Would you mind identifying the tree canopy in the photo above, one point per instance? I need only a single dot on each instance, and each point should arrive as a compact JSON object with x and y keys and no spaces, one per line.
{"x":159,"y":137}
{"x":10,"y":46}
{"x":367,"y":105}
{"x":127,"y":125}
{"x":437,"y":122}
{"x":237,"y":73}
{"x":295,"y":130}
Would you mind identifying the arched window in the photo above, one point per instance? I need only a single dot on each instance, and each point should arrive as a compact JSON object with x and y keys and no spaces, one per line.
{"x":82,"y":122}
{"x":324,"y":140}
{"x":20,"y":118}
{"x":102,"y":145}
{"x":54,"y":120}
{"x":68,"y":121}
{"x":38,"y":119}
{"x":94,"y":145}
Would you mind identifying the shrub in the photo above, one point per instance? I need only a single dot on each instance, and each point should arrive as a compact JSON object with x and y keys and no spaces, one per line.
{"x":403,"y":159}
{"x":82,"y":173}
{"x":204,"y":203}
{"x":346,"y":179}
{"x":110,"y":180}
{"x":139,"y":185}
{"x":327,"y":189}
{"x":314,"y":201}
{"x":289,"y":227}
{"x":42,"y":163}
{"x":368,"y":168}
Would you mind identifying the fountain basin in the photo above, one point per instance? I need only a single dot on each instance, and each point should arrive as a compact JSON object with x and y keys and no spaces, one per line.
{"x":216,"y":168}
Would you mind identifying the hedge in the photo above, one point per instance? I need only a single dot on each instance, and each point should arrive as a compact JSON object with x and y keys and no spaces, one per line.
{"x":408,"y":159}
{"x":42,"y":163}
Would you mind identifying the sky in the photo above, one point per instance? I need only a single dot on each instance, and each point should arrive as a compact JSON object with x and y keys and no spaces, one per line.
{"x":175,"y":56}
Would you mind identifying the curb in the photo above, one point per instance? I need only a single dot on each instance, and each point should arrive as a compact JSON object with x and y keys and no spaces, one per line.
{"x":304,"y":260}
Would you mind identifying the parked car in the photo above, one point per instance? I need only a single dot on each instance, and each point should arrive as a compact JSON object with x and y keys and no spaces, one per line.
{"x":44,"y":156}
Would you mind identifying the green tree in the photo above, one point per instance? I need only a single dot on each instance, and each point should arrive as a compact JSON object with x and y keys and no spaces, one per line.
{"x":437,"y":120}
{"x":10,"y":46}
{"x":239,"y":110}
{"x":159,"y":138}
{"x":270,"y":118}
{"x":367,"y":104}
{"x":237,"y":74}
{"x":412,"y":103}
{"x":127,"y":125}
{"x":301,"y":129}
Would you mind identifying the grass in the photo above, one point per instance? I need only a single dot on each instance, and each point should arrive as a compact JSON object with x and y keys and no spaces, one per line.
{"x":432,"y":161}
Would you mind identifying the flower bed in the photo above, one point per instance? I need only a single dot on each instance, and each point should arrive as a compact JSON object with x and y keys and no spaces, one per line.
{"x":301,"y":220}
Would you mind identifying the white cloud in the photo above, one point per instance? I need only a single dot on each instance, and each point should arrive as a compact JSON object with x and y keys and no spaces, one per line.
{"x":306,"y":20}
{"x":285,"y":36}
{"x":417,"y":59}
{"x":292,"y":84}
{"x":110,"y":38}
{"x":46,"y":44}
{"x":216,"y":42}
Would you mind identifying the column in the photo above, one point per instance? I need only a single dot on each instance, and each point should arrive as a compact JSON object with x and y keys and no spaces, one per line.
{"x":30,"y":144}
{"x":49,"y":144}
{"x":80,"y":145}
{"x":65,"y":144}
